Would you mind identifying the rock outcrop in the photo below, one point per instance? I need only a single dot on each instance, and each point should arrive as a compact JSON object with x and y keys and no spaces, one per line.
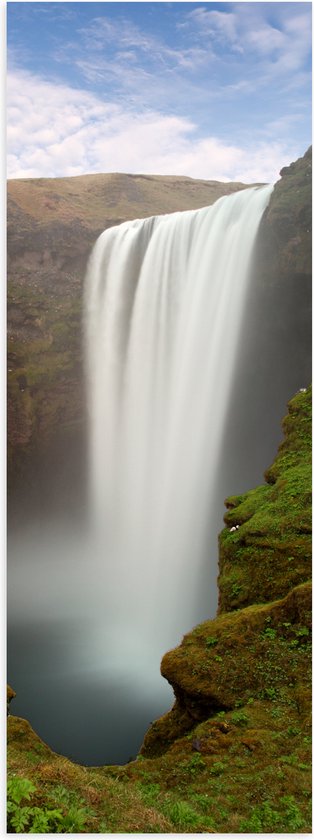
{"x":284,"y":258}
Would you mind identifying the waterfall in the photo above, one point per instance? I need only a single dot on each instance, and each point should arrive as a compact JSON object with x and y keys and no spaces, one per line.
{"x":164,"y":304}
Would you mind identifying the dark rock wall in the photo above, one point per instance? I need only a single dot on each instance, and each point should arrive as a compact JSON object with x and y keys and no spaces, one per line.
{"x":274,"y":357}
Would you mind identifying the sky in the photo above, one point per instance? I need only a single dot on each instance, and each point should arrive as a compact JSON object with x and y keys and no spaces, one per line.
{"x":208,"y":90}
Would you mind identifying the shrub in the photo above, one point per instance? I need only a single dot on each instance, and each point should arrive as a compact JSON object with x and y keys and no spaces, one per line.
{"x":239,"y":718}
{"x":217,"y":768}
{"x":211,"y":641}
{"x":33,"y":819}
{"x":182,"y":815}
{"x":28,"y":818}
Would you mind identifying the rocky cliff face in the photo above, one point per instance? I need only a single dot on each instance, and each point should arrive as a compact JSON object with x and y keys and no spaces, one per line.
{"x":285,"y":260}
{"x":233,"y":755}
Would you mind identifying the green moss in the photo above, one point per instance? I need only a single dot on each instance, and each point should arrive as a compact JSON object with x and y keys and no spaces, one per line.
{"x":45,"y":355}
{"x":250,"y":665}
{"x":270,"y":552}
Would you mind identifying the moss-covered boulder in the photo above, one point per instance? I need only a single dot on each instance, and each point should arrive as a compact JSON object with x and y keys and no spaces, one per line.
{"x":259,"y":653}
{"x":10,"y":696}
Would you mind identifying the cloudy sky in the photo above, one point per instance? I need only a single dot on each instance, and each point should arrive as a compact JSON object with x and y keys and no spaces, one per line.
{"x":210,"y":90}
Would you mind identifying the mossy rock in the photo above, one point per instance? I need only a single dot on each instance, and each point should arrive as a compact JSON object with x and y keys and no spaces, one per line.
{"x":10,"y":696}
{"x":266,"y":548}
{"x":261,"y":652}
{"x":243,"y":770}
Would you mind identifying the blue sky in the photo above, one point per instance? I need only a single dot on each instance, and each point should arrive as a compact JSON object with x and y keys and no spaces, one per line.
{"x":210,"y":90}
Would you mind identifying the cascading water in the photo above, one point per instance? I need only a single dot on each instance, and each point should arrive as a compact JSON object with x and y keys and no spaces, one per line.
{"x":164,"y":304}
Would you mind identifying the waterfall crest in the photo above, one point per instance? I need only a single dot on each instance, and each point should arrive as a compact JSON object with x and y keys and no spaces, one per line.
{"x":164,"y":302}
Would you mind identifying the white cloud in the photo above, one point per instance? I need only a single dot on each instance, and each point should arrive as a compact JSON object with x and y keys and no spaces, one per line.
{"x":55,"y":130}
{"x":121,"y":53}
{"x":220,"y":25}
{"x":276,"y":48}
{"x":265,"y":39}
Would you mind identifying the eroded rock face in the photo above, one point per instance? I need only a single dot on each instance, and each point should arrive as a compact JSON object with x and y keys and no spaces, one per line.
{"x":288,"y":219}
{"x":286,"y":261}
{"x":10,"y":696}
{"x":260,"y":653}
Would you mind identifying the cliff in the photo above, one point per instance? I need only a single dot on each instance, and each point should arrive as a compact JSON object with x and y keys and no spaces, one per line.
{"x":284,"y":263}
{"x":233,"y":755}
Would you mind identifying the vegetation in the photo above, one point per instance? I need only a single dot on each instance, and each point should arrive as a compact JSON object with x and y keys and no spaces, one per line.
{"x":44,"y":357}
{"x":271,"y":550}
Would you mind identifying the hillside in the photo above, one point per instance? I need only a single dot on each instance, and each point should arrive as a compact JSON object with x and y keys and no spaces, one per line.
{"x":95,"y":201}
